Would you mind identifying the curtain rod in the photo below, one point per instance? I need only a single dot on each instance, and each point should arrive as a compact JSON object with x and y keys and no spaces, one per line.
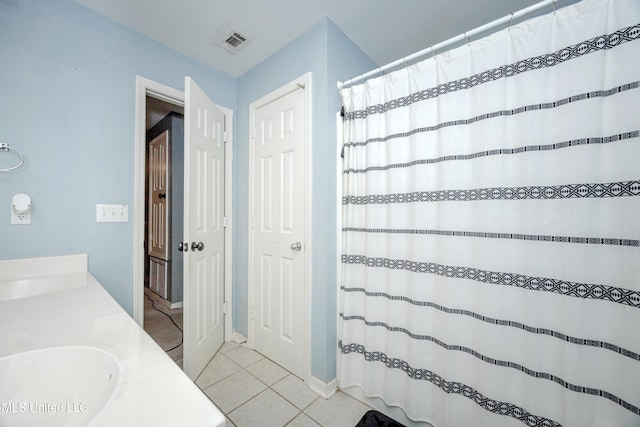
{"x":456,"y":39}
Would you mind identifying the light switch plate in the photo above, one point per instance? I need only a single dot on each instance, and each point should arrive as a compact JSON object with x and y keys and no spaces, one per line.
{"x":112,"y":213}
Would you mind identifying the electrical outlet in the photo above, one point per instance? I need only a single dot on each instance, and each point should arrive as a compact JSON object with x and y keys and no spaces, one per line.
{"x":112,"y":213}
{"x":20,"y":218}
{"x":20,"y":209}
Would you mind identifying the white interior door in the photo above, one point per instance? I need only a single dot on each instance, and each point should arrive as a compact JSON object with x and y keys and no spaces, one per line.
{"x":158,"y":220}
{"x":203,"y":229}
{"x":279,"y":228}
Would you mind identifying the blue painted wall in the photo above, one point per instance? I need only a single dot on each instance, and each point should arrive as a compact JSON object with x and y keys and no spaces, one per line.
{"x":331,"y":56}
{"x":67,"y":91}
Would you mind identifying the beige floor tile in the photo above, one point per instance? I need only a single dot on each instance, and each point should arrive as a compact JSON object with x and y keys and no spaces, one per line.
{"x":267,"y":409}
{"x":293,"y":389}
{"x":243,"y":356}
{"x":302,"y":421}
{"x":341,"y":410}
{"x":218,"y":369}
{"x":228,"y":346}
{"x":267,"y":371}
{"x":233,"y":391}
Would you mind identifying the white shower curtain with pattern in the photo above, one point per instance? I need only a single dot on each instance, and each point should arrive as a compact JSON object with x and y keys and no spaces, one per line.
{"x":491,"y":227}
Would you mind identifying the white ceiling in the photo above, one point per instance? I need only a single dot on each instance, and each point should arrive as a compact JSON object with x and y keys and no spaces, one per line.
{"x":385,"y":30}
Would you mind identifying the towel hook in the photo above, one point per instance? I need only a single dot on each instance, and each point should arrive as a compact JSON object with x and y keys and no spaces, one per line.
{"x":6,"y":147}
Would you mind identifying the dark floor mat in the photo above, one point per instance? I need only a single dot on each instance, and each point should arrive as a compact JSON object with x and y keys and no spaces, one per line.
{"x":377,"y":419}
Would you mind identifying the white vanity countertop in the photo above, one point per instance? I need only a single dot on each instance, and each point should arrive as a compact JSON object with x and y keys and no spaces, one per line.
{"x":151,"y":388}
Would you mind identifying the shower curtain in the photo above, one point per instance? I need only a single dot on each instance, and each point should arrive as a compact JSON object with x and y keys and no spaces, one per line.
{"x":491,"y":227}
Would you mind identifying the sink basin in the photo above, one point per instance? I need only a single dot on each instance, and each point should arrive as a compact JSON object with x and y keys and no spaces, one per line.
{"x":22,"y":288}
{"x":61,"y":386}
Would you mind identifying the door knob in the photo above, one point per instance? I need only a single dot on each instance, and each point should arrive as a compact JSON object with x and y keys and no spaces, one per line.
{"x":296,"y":246}
{"x":162,"y":195}
{"x":183,"y":246}
{"x":199,"y":246}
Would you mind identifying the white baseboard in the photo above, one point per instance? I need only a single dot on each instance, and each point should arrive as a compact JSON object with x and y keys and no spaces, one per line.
{"x":157,"y":299}
{"x":324,"y":390}
{"x":236,"y":337}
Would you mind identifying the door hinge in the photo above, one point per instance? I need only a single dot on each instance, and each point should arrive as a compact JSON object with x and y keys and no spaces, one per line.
{"x":224,"y":308}
{"x":225,"y":136}
{"x":224,"y":222}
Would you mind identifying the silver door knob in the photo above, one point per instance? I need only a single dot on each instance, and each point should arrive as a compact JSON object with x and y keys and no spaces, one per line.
{"x":197,"y":246}
{"x":296,"y":246}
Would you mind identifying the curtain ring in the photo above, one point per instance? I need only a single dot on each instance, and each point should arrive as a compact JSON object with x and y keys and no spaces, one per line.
{"x":466,"y":38}
{"x":554,"y":7}
{"x":510,"y":20}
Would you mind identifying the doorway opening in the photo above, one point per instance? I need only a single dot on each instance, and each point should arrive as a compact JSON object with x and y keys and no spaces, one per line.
{"x":155,"y":98}
{"x":164,"y":202}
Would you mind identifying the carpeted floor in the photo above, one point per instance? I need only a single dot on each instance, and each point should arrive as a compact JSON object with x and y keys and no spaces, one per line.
{"x":160,"y":327}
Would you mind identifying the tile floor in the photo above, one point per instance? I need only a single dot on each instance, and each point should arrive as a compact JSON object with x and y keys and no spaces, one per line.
{"x":250,"y":389}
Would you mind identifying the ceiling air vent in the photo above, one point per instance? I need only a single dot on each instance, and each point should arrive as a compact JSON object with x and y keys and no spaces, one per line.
{"x":232,"y":40}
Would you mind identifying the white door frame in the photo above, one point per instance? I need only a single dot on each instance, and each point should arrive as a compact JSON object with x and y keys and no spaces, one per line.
{"x":293,"y":85}
{"x":168,"y":94}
